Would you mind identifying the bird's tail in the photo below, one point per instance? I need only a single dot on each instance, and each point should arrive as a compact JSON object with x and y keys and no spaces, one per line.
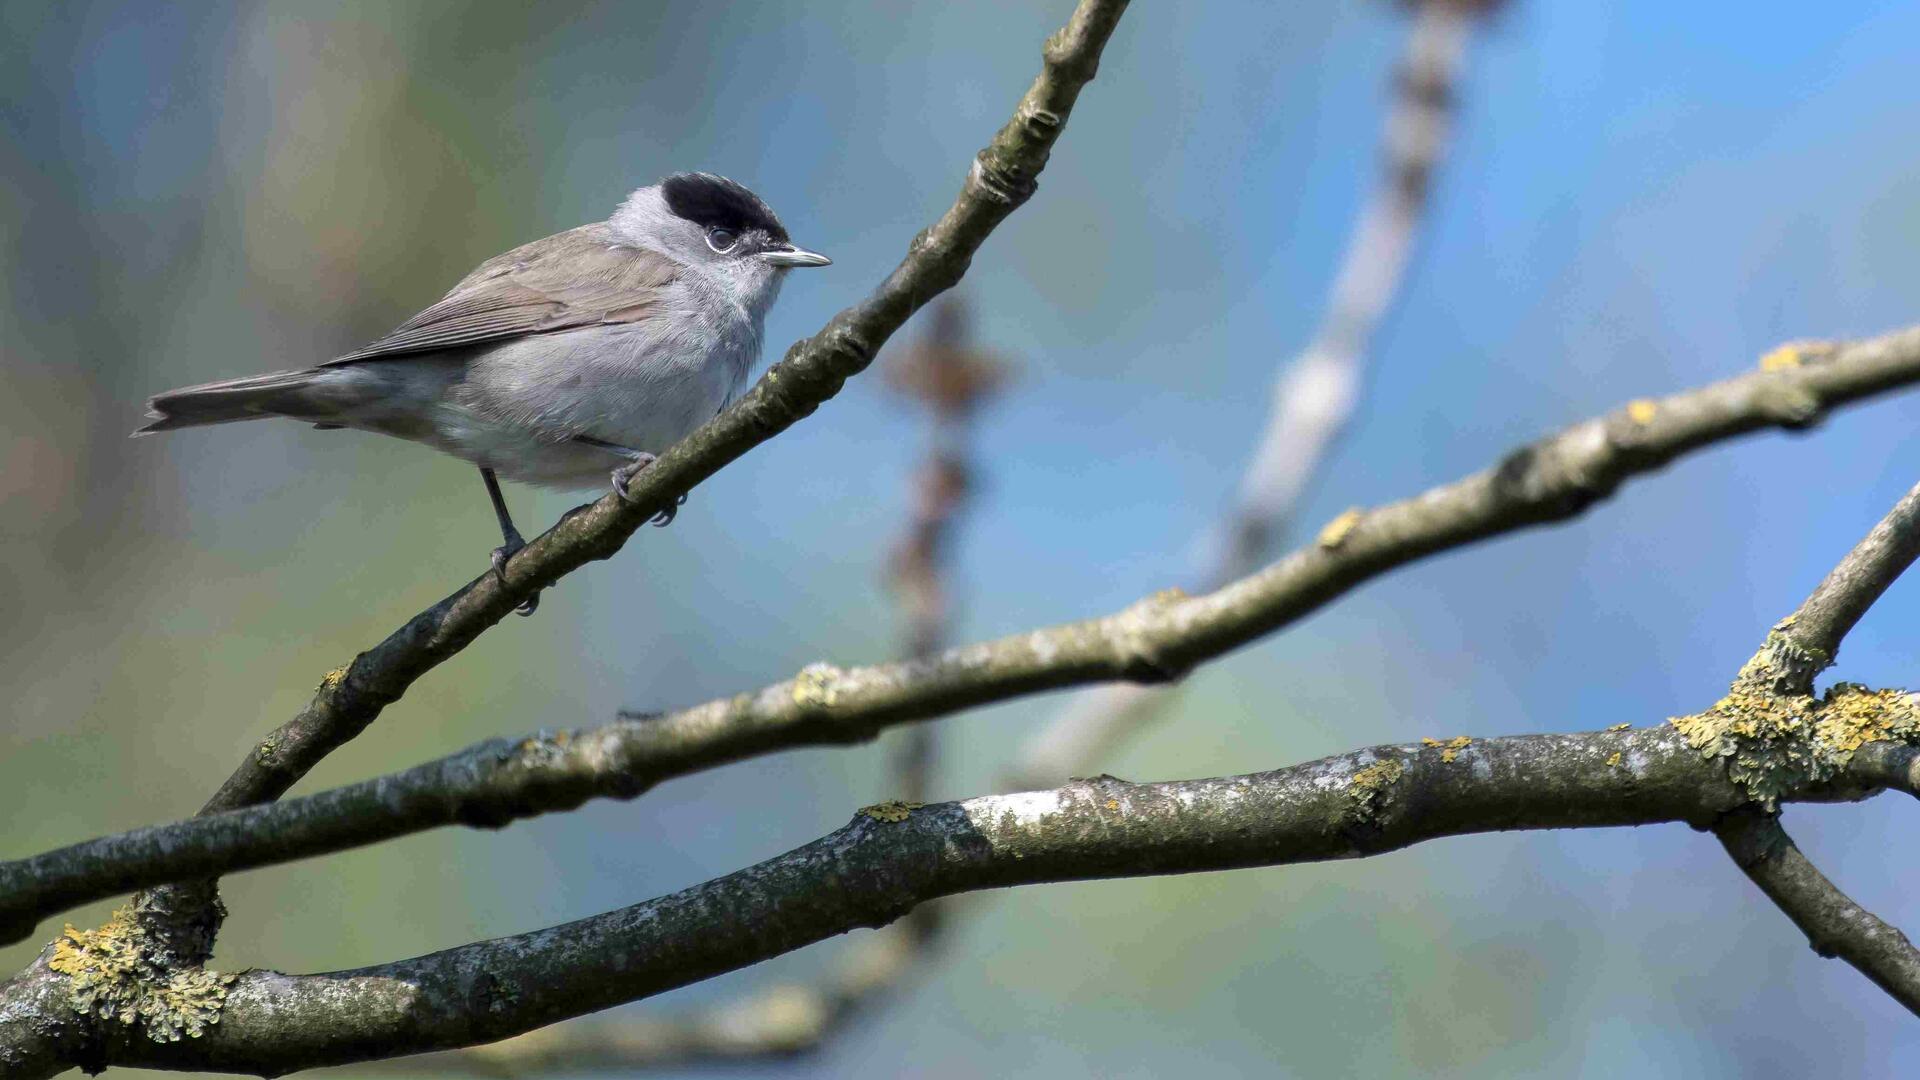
{"x":281,"y":393}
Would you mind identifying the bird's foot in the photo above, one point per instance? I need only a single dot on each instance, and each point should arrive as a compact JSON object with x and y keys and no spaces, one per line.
{"x":500,"y":556}
{"x":665,"y":517}
{"x":624,"y":475}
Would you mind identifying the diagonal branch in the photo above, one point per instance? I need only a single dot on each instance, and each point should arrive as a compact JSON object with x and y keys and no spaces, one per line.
{"x":1004,"y":175}
{"x":1835,"y":926}
{"x":1811,"y":636}
{"x":872,"y":872}
{"x":498,"y":781}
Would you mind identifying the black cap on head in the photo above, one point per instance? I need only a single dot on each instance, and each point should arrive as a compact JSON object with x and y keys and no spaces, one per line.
{"x":715,"y":201}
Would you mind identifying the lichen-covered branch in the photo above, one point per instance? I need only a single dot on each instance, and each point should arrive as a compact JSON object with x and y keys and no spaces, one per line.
{"x":883,"y":864}
{"x":1776,"y":739}
{"x":1772,"y":731}
{"x":1315,"y":394}
{"x":1835,"y":926}
{"x":1156,"y":639}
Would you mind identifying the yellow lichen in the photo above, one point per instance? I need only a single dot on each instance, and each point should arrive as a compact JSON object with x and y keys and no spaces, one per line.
{"x":1775,"y":744}
{"x":1454,"y":746}
{"x":1335,"y":532}
{"x":1424,"y":741}
{"x":1641,"y":411}
{"x":1852,"y":716}
{"x":112,"y":977}
{"x":1793,"y":354}
{"x":1371,"y":788}
{"x":817,"y":686}
{"x":332,"y":679}
{"x":1613,"y":759}
{"x":1620,"y":727}
{"x":891,"y":811}
{"x":1113,"y":804}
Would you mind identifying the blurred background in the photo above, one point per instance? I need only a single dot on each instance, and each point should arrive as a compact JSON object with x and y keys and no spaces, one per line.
{"x":1642,"y":197}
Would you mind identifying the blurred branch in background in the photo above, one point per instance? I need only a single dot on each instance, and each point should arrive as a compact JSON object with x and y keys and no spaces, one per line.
{"x":952,"y":378}
{"x":1315,"y":395}
{"x":944,"y":372}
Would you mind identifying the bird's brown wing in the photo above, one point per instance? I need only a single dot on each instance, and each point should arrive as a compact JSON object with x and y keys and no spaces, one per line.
{"x":581,"y":277}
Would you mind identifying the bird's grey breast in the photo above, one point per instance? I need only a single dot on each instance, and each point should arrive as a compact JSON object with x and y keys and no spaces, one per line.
{"x":643,"y":384}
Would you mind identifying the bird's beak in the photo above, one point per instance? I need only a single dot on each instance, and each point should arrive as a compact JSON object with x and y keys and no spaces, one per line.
{"x":787,"y":255}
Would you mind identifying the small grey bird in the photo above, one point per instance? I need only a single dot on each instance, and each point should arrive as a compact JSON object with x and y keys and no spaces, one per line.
{"x":591,"y":350}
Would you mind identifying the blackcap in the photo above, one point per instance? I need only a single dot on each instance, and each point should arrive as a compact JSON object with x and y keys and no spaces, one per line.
{"x":589,"y":351}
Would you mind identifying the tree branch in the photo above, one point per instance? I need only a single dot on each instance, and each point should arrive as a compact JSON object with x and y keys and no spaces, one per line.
{"x":1813,"y":633}
{"x":1776,"y":736}
{"x":1835,"y":926}
{"x":873,"y":871}
{"x":495,"y":782}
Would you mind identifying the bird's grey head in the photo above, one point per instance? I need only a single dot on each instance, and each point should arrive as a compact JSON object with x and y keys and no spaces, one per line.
{"x":709,"y":223}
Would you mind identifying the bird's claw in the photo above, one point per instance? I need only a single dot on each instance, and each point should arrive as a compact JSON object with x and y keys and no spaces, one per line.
{"x":499,"y":558}
{"x":624,"y":475}
{"x":665,"y":517}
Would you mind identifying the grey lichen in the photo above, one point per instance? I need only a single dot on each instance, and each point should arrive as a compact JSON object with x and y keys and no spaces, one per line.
{"x":817,"y":686}
{"x":1776,"y":743}
{"x":113,"y":976}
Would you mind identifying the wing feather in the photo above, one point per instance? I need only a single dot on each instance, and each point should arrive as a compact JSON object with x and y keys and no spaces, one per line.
{"x":582,"y":277}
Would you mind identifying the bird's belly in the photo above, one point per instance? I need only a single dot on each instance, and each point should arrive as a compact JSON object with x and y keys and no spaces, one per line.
{"x":522,"y":406}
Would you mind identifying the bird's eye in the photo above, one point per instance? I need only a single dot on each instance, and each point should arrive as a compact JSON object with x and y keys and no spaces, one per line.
{"x":722,"y":240}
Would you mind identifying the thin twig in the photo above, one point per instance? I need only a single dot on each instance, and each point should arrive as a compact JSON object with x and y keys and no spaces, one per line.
{"x":1815,"y":630}
{"x":1835,"y":926}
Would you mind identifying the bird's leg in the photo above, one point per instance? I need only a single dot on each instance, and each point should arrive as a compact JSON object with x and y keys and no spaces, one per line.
{"x":511,"y":537}
{"x":622,"y":476}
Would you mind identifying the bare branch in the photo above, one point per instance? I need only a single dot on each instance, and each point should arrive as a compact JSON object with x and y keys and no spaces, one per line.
{"x":1158,"y":638}
{"x":1889,"y":765}
{"x":1812,"y":634}
{"x":873,"y":871}
{"x":1835,"y":926}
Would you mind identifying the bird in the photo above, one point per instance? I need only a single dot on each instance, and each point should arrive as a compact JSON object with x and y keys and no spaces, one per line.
{"x":564,"y":363}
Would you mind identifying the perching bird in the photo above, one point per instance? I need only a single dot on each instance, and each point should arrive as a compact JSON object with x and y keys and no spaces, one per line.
{"x":589,"y":351}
